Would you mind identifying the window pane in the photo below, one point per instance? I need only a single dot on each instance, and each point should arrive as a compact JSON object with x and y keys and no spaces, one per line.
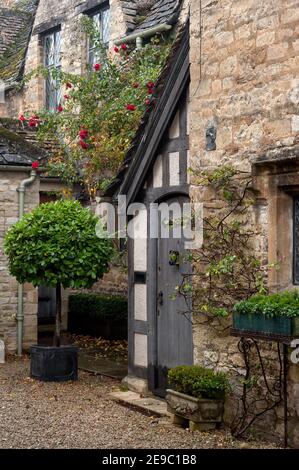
{"x":52,"y":60}
{"x":101,"y":22}
{"x":57,"y":49}
{"x":105,"y":25}
{"x":296,"y":242}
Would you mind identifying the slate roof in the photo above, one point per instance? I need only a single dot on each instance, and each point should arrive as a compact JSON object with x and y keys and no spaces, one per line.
{"x":15,"y":29}
{"x":141,"y":15}
{"x":15,"y":150}
{"x":163,"y":11}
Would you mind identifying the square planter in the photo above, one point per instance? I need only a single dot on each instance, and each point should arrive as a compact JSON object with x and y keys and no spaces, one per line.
{"x":203,"y":414}
{"x":262,"y":324}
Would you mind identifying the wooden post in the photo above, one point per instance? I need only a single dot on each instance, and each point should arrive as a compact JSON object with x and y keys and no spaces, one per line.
{"x":57,"y":339}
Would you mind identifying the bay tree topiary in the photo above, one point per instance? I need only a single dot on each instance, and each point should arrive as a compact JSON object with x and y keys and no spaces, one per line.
{"x":56,"y":245}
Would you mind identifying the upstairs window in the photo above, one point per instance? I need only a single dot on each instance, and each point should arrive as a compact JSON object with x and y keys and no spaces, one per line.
{"x":52,"y":61}
{"x":101,"y":22}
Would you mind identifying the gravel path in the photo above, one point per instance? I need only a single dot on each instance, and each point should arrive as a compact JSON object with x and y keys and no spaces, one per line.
{"x":80,"y":415}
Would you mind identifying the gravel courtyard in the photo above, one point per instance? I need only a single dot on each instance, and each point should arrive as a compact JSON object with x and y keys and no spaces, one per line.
{"x":81,"y":415}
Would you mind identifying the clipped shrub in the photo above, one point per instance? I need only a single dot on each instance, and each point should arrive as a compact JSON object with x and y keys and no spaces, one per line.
{"x":198,"y":382}
{"x":282,"y":304}
{"x":98,"y":315}
{"x":99,"y":306}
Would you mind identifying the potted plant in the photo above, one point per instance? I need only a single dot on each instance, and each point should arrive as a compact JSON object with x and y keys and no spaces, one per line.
{"x":197,"y":395}
{"x":268,"y":315}
{"x":56,"y":245}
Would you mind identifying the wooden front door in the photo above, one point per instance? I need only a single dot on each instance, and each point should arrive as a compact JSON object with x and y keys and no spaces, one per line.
{"x":174,"y":344}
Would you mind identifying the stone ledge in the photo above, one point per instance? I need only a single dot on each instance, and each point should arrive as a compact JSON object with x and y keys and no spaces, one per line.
{"x":149,"y":405}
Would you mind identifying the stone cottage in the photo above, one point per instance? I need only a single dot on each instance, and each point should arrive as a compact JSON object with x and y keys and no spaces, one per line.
{"x":232,"y":76}
{"x":47,"y":32}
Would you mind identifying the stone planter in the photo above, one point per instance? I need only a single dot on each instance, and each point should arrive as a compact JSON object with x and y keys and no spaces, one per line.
{"x":53,"y":364}
{"x":267,"y":326}
{"x":203,"y":414}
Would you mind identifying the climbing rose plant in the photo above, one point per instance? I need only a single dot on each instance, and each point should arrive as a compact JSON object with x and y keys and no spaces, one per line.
{"x":99,"y":111}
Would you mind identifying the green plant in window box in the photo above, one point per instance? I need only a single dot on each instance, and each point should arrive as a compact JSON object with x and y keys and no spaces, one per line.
{"x":274,"y":314}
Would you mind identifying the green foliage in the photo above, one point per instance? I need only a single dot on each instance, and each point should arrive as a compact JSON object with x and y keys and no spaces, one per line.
{"x":198,"y":382}
{"x":282,"y":304}
{"x":95,"y":306}
{"x":226,"y":268}
{"x":97,"y":102}
{"x":56,"y":243}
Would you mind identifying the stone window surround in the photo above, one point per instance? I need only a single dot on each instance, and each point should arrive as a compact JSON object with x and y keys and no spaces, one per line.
{"x":277,"y":183}
{"x":85,"y":7}
{"x":90,"y":5}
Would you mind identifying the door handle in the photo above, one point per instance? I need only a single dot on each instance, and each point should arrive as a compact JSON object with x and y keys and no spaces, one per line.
{"x":160,"y":298}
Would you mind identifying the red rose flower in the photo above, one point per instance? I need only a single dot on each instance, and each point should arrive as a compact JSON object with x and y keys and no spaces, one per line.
{"x":150,"y":91}
{"x":83,"y":134}
{"x":136,"y":85}
{"x":83,"y":144}
{"x":69,"y":85}
{"x":124,"y":47}
{"x":66,"y":97}
{"x":97,"y":67}
{"x":150,"y":85}
{"x":60,"y":109}
{"x":131,"y":107}
{"x":147,"y":101}
{"x":32,"y":122}
{"x":35,"y":165}
{"x":22,"y":118}
{"x":116,"y":49}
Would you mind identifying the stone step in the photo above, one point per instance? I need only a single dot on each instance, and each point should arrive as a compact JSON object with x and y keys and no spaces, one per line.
{"x":148,"y":405}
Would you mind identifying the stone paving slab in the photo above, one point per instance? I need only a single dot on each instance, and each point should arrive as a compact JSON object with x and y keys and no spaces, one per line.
{"x":102,"y":366}
{"x":149,"y":405}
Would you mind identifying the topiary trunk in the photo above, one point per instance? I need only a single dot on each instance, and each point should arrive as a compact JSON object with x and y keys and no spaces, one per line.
{"x":57,"y":336}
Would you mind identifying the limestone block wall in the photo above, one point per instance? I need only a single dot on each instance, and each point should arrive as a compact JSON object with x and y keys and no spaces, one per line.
{"x":9,"y":181}
{"x":244,"y":81}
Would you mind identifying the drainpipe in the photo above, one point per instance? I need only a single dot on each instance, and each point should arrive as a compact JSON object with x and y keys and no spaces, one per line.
{"x":20,"y":313}
{"x":143,"y":34}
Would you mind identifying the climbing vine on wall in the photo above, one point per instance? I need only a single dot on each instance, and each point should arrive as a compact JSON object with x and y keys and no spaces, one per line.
{"x":227,"y":268}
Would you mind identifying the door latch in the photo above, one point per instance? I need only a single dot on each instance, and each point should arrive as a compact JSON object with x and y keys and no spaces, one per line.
{"x":160,"y":298}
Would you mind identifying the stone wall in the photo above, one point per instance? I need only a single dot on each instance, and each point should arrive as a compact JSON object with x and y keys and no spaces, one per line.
{"x":244,"y":81}
{"x":9,"y":182}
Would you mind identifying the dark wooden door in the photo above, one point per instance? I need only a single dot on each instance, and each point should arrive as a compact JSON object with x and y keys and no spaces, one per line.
{"x":174,"y":325}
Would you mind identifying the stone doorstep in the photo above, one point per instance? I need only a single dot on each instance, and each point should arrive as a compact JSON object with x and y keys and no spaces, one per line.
{"x":148,"y":405}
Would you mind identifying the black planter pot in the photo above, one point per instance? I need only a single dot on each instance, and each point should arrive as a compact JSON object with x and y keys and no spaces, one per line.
{"x":53,"y":364}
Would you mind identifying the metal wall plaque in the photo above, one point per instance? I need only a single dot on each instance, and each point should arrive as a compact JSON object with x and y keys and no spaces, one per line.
{"x":211,"y":134}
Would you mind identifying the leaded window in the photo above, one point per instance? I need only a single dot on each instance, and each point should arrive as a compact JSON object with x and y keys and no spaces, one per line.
{"x":52,"y":61}
{"x":296,"y":241}
{"x":101,"y":20}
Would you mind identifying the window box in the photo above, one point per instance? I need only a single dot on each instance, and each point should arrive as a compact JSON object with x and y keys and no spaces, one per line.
{"x":275,"y":315}
{"x":262,"y":324}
